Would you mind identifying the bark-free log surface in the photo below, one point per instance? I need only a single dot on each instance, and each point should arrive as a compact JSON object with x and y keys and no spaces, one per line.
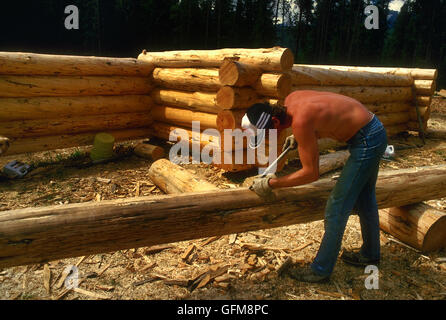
{"x":269,"y":59}
{"x":37,"y":235}
{"x":51,"y":127}
{"x":36,"y":144}
{"x":12,"y":109}
{"x":366,"y":94}
{"x":20,"y":63}
{"x":184,"y":117}
{"x":273,"y":85}
{"x":230,"y":119}
{"x":173,"y":179}
{"x":189,"y":79}
{"x":195,"y":101}
{"x":236,"y":98}
{"x":48,"y":86}
{"x":424,"y":87}
{"x":149,"y":151}
{"x":394,"y":118}
{"x":419,"y":225}
{"x":233,"y":73}
{"x":388,"y":107}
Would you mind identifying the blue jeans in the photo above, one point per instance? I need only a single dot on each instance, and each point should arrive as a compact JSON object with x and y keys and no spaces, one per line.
{"x":355,"y":189}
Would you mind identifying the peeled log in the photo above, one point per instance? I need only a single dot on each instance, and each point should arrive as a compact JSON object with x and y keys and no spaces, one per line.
{"x":195,"y":101}
{"x":230,"y":119}
{"x":12,"y":109}
{"x":189,"y":79}
{"x":271,"y":59}
{"x":173,"y":179}
{"x":37,"y":235}
{"x":395,"y":129}
{"x":233,"y":73}
{"x":37,"y":144}
{"x":51,"y":127}
{"x":366,"y":94}
{"x":424,"y":87}
{"x":423,"y":101}
{"x":183,"y":117}
{"x":389,"y":119}
{"x":388,"y":107}
{"x":236,"y":98}
{"x":48,"y":86}
{"x":305,"y":75}
{"x":20,"y":63}
{"x":418,"y":225}
{"x":332,"y":161}
{"x":273,"y":85}
{"x":424,"y":113}
{"x":149,"y":151}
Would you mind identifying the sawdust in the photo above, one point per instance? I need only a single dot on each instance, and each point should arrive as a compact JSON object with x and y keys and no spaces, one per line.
{"x":167,"y":273}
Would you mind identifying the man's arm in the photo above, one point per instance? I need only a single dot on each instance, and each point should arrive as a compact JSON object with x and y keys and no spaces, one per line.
{"x":305,"y":134}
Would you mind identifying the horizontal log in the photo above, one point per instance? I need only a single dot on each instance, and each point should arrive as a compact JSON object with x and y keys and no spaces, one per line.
{"x":366,"y":94}
{"x":396,"y":129}
{"x":424,"y":87}
{"x":183,"y":117}
{"x":233,"y":73}
{"x":195,"y":101}
{"x":20,"y":63}
{"x":52,"y":127}
{"x":273,"y":85}
{"x":306,"y":75}
{"x":424,"y":113}
{"x":423,"y":101}
{"x":436,"y":133}
{"x":230,"y":119}
{"x":414,"y":125}
{"x":4,"y":145}
{"x":389,"y":119}
{"x":388,"y":107}
{"x":37,"y":144}
{"x":38,"y":235}
{"x":149,"y":151}
{"x":49,"y":86}
{"x":236,"y":98}
{"x":416,"y":73}
{"x":12,"y":109}
{"x":189,"y":79}
{"x":270,"y":59}
{"x":418,"y":225}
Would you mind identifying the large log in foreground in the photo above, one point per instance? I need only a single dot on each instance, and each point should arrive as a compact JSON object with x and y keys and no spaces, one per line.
{"x":37,"y":235}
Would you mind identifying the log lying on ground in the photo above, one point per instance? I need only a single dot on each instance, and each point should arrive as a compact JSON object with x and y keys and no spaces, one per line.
{"x":195,"y":101}
{"x":233,"y":73}
{"x":149,"y":151}
{"x":37,"y":144}
{"x":418,"y":225}
{"x":51,"y":127}
{"x":271,"y":59}
{"x":183,"y":117}
{"x":173,"y":179}
{"x":436,"y":133}
{"x":366,"y":94}
{"x":12,"y":109}
{"x":273,"y":85}
{"x":236,"y":98}
{"x":20,"y":63}
{"x":37,"y":235}
{"x":189,"y":79}
{"x":302,"y":75}
{"x":416,"y":73}
{"x":332,"y":161}
{"x":47,"y":86}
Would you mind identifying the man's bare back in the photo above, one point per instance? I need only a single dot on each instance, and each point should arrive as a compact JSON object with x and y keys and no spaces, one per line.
{"x":333,"y":115}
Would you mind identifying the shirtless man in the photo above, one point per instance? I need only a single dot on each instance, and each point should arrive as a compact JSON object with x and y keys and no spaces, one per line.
{"x":313,"y":115}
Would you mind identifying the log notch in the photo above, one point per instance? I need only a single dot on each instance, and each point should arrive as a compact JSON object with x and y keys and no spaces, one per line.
{"x":37,"y":235}
{"x":195,"y":101}
{"x":19,"y":63}
{"x":273,"y":85}
{"x":173,"y":179}
{"x":233,"y":73}
{"x":37,"y":144}
{"x":183,"y":118}
{"x":48,"y":86}
{"x":13,"y":109}
{"x":419,"y":225}
{"x":189,"y":79}
{"x":273,"y":59}
{"x":366,"y":94}
{"x":236,"y":98}
{"x":149,"y":151}
{"x":52,"y":127}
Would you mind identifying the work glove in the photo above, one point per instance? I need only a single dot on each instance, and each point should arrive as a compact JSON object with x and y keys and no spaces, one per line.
{"x":290,"y":141}
{"x":262,"y":188}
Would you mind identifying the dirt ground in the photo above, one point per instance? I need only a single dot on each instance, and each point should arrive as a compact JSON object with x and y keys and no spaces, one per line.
{"x":62,"y":177}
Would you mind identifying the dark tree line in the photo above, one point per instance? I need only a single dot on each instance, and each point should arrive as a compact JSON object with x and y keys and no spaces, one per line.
{"x":318,"y":31}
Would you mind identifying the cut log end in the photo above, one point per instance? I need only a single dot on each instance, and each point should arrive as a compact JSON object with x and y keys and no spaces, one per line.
{"x":287,"y":60}
{"x":148,"y":151}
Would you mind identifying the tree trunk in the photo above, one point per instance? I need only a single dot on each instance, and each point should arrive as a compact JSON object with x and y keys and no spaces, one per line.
{"x":273,"y":59}
{"x":233,"y":73}
{"x":149,"y":151}
{"x":189,"y":79}
{"x":13,"y":109}
{"x":183,"y":117}
{"x":48,"y":86}
{"x":418,"y":225}
{"x":173,"y":179}
{"x":195,"y":101}
{"x":18,"y":63}
{"x":38,"y":235}
{"x":274,"y":85}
